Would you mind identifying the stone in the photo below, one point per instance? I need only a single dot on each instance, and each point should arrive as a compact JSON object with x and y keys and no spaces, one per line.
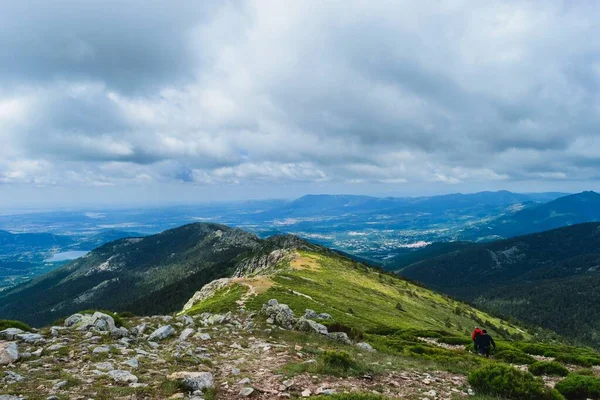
{"x":73,"y":320}
{"x":340,"y":337}
{"x":204,"y":336}
{"x":307,"y":325}
{"x":193,"y":380}
{"x":60,"y":385}
{"x":280,"y":314}
{"x":310,"y":314}
{"x":431,"y":393}
{"x":30,"y":337}
{"x":10,"y":333}
{"x":306,"y":393}
{"x":101,"y":349}
{"x":244,"y":381}
{"x":9,"y":353}
{"x":218,"y":319}
{"x":138,"y":330}
{"x":365,"y":346}
{"x":55,"y":347}
{"x":162,"y":333}
{"x":186,"y":334}
{"x":324,"y":316}
{"x":9,"y":397}
{"x":12,"y":377}
{"x":133,"y":363}
{"x":104,"y":366}
{"x":118,"y":375}
{"x":119,"y":333}
{"x":246,"y":392}
{"x":186,"y":319}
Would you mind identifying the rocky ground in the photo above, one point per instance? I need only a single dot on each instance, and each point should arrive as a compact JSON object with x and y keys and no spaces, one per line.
{"x":209,"y":356}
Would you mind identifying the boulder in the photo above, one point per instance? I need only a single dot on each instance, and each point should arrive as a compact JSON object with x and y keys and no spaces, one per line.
{"x":73,"y":320}
{"x":9,"y":353}
{"x":9,"y":397}
{"x":10,"y":333}
{"x":193,"y":380}
{"x":310,"y":314}
{"x":118,"y":375}
{"x":133,"y":363}
{"x":307,"y":325}
{"x":118,"y":333}
{"x":162,"y":333}
{"x":365,"y":346}
{"x":103,"y":322}
{"x":218,"y":319}
{"x":340,"y":337}
{"x":324,"y":316}
{"x":30,"y":337}
{"x":139,"y":329}
{"x":281,"y":314}
{"x":185,"y":334}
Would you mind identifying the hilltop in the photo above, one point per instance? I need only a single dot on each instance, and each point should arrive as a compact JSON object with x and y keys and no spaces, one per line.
{"x":534,"y":278}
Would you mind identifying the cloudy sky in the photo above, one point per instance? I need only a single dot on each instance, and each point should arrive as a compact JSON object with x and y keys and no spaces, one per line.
{"x":141,"y":100}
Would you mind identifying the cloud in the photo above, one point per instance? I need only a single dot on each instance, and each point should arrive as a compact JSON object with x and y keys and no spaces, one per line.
{"x":241,"y":92}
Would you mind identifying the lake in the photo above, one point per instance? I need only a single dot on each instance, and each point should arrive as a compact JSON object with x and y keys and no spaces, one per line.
{"x":67,"y":255}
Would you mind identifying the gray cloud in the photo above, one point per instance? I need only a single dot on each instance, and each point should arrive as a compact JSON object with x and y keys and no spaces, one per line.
{"x":270,"y":92}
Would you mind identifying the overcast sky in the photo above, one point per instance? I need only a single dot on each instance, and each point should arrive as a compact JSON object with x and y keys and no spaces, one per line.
{"x":159,"y":101}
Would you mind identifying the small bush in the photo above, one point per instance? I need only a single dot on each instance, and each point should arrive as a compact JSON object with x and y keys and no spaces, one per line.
{"x":339,"y":360}
{"x":514,"y":357}
{"x":7,"y":323}
{"x":537,"y":349}
{"x":574,"y":360}
{"x":585,"y":371}
{"x":504,"y":381}
{"x":126,"y":314}
{"x":548,"y":368}
{"x":576,"y":387}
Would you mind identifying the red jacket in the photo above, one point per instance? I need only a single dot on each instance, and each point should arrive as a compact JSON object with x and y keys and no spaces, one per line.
{"x":476,"y":333}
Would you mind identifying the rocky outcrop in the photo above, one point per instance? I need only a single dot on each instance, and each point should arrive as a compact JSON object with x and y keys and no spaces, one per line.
{"x":162,"y":333}
{"x":307,"y":325}
{"x":262,"y":264}
{"x":99,"y":321}
{"x":206,"y":292}
{"x":279,"y":314}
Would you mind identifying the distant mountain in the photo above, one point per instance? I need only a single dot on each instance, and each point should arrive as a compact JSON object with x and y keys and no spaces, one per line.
{"x":153,"y":274}
{"x":563,"y":211}
{"x":534,"y":278}
{"x":30,"y":246}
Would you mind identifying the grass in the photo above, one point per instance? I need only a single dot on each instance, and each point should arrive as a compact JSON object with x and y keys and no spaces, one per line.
{"x":224,"y":300}
{"x":7,"y":323}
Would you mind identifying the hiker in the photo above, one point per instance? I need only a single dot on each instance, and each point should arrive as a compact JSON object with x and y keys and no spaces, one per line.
{"x":485,"y":343}
{"x":475,"y":337}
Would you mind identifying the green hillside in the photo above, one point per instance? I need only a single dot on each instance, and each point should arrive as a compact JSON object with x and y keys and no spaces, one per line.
{"x":150,"y":275}
{"x":548,"y":279}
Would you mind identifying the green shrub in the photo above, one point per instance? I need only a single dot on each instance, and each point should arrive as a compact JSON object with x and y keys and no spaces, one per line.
{"x":353,"y":333}
{"x":339,"y":360}
{"x":7,"y":323}
{"x":126,"y":314}
{"x":574,"y":360}
{"x":548,"y":368}
{"x":537,"y":349}
{"x":576,"y":387}
{"x":507,"y":382}
{"x":585,"y":371}
{"x":514,"y":357}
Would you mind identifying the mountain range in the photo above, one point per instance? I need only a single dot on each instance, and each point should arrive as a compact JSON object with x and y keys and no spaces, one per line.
{"x":547,"y":279}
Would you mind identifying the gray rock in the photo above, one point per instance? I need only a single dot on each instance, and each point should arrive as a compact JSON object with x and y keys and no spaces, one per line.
{"x":193,"y":380}
{"x":324,"y":316}
{"x":98,"y":320}
{"x":246,"y":392}
{"x":54,"y":347}
{"x":133,"y":362}
{"x":9,"y":353}
{"x":185,"y":334}
{"x":9,"y":397}
{"x":281,"y":314}
{"x":203,"y":336}
{"x":218,"y":319}
{"x":101,"y":349}
{"x":118,"y":375}
{"x":60,"y":385}
{"x":310,"y":314}
{"x":138,"y":330}
{"x":104,"y":366}
{"x":186,"y":319}
{"x":118,"y":333}
{"x":12,"y":377}
{"x":10,"y":333}
{"x":244,"y":381}
{"x":30,"y":337}
{"x":340,"y":337}
{"x":365,"y":346}
{"x":307,"y":325}
{"x":162,"y":333}
{"x":73,"y":320}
